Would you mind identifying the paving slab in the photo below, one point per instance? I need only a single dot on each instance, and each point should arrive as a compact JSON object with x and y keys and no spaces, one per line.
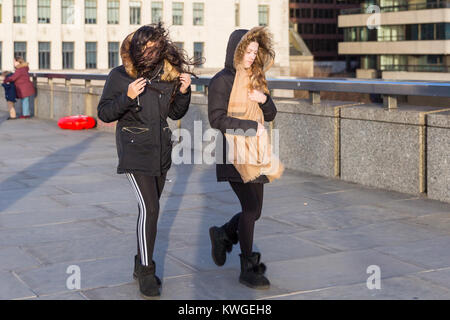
{"x":416,"y":206}
{"x":52,"y":279}
{"x":389,"y":233}
{"x":33,"y":218}
{"x":12,"y":258}
{"x":96,"y":247}
{"x":440,"y":277}
{"x":397,"y":288}
{"x":62,"y":296}
{"x":12,"y":288}
{"x":431,"y":253}
{"x":334,"y":269}
{"x":366,"y":196}
{"x":21,"y":204}
{"x":53,"y":232}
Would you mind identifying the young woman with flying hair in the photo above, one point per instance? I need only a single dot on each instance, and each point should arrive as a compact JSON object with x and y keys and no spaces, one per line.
{"x":153,"y":83}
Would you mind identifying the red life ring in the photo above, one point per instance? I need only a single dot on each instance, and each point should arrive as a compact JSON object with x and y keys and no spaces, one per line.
{"x":78,"y":122}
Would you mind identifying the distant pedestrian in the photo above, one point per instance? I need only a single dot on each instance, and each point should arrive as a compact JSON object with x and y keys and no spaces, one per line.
{"x":24,"y":87}
{"x":239,"y":100}
{"x":10,"y":95}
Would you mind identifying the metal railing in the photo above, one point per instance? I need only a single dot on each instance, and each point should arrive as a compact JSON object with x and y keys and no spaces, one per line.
{"x":389,"y":89}
{"x":416,"y":68}
{"x":405,"y":7}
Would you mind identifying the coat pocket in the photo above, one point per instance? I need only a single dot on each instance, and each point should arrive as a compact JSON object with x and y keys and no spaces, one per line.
{"x":137,"y":147}
{"x":135,"y":130}
{"x":136,"y":136}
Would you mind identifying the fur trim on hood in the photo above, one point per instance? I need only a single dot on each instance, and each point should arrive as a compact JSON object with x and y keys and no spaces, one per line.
{"x":169,"y":74}
{"x":264,"y":38}
{"x":22,"y":65}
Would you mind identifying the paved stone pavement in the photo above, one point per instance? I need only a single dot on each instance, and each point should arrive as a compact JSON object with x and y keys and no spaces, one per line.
{"x":62,"y":205}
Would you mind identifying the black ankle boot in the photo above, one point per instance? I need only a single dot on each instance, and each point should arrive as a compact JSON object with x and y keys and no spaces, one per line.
{"x":220,"y":244}
{"x":138,"y":267}
{"x":252,"y":272}
{"x":149,"y":283}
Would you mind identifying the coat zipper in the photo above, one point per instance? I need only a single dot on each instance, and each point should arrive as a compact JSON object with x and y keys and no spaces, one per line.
{"x":151,"y":88}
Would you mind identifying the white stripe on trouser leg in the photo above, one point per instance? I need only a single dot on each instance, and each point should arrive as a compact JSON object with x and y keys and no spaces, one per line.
{"x":142,"y":213}
{"x":143,"y":222}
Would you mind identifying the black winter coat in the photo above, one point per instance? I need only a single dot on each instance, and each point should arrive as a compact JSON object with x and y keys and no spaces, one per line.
{"x":218,"y":96}
{"x":143,"y":137}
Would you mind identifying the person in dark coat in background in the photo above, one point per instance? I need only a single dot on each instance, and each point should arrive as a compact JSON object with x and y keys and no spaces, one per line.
{"x":10,"y":95}
{"x":242,"y":85}
{"x":152,"y":84}
{"x":24,"y":87}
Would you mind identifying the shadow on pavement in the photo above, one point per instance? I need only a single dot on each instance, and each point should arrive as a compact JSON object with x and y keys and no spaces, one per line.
{"x":75,"y":149}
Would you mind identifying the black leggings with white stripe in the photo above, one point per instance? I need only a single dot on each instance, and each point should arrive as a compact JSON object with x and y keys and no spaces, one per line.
{"x":148,"y":191}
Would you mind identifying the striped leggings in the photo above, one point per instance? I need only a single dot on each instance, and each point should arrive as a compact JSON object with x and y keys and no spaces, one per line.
{"x":148,"y":191}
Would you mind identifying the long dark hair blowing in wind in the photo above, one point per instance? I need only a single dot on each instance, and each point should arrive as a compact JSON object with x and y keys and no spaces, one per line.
{"x":150,"y":45}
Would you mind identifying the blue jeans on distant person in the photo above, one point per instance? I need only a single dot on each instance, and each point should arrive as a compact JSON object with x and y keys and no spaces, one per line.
{"x":26,"y":106}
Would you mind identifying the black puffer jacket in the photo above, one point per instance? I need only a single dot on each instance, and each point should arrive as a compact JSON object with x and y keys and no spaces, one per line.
{"x":218,"y":96}
{"x":143,"y":137}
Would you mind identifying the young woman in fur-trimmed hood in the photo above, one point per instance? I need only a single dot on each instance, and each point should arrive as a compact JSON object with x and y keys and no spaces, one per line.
{"x":238,"y":104}
{"x":152,"y":84}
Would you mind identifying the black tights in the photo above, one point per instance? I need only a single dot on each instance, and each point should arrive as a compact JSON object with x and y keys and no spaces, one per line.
{"x":251,"y":197}
{"x":148,"y":190}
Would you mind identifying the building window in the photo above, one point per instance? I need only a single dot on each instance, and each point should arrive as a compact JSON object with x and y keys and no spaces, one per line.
{"x":20,"y":11}
{"x":113,"y":11}
{"x":353,"y":34}
{"x":305,"y":13}
{"x":391,"y":33}
{"x":90,"y":11}
{"x":1,"y":13}
{"x":20,"y":49}
{"x":113,"y":54}
{"x":67,"y":12}
{"x":394,"y":62}
{"x":179,"y":45}
{"x":412,"y":32}
{"x":91,"y":55}
{"x":135,"y":12}
{"x":199,"y":9}
{"x":67,"y":55}
{"x":434,"y":59}
{"x":425,"y":63}
{"x":427,"y":31}
{"x":177,"y":13}
{"x":263,"y":15}
{"x":369,"y":62}
{"x":43,"y":11}
{"x":157,"y":11}
{"x":198,"y":50}
{"x":442,"y":31}
{"x":44,"y":55}
{"x":237,"y":15}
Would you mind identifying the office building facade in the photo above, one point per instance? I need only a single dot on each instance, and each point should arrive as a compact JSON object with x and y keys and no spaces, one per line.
{"x":85,"y":35}
{"x":399,"y":39}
